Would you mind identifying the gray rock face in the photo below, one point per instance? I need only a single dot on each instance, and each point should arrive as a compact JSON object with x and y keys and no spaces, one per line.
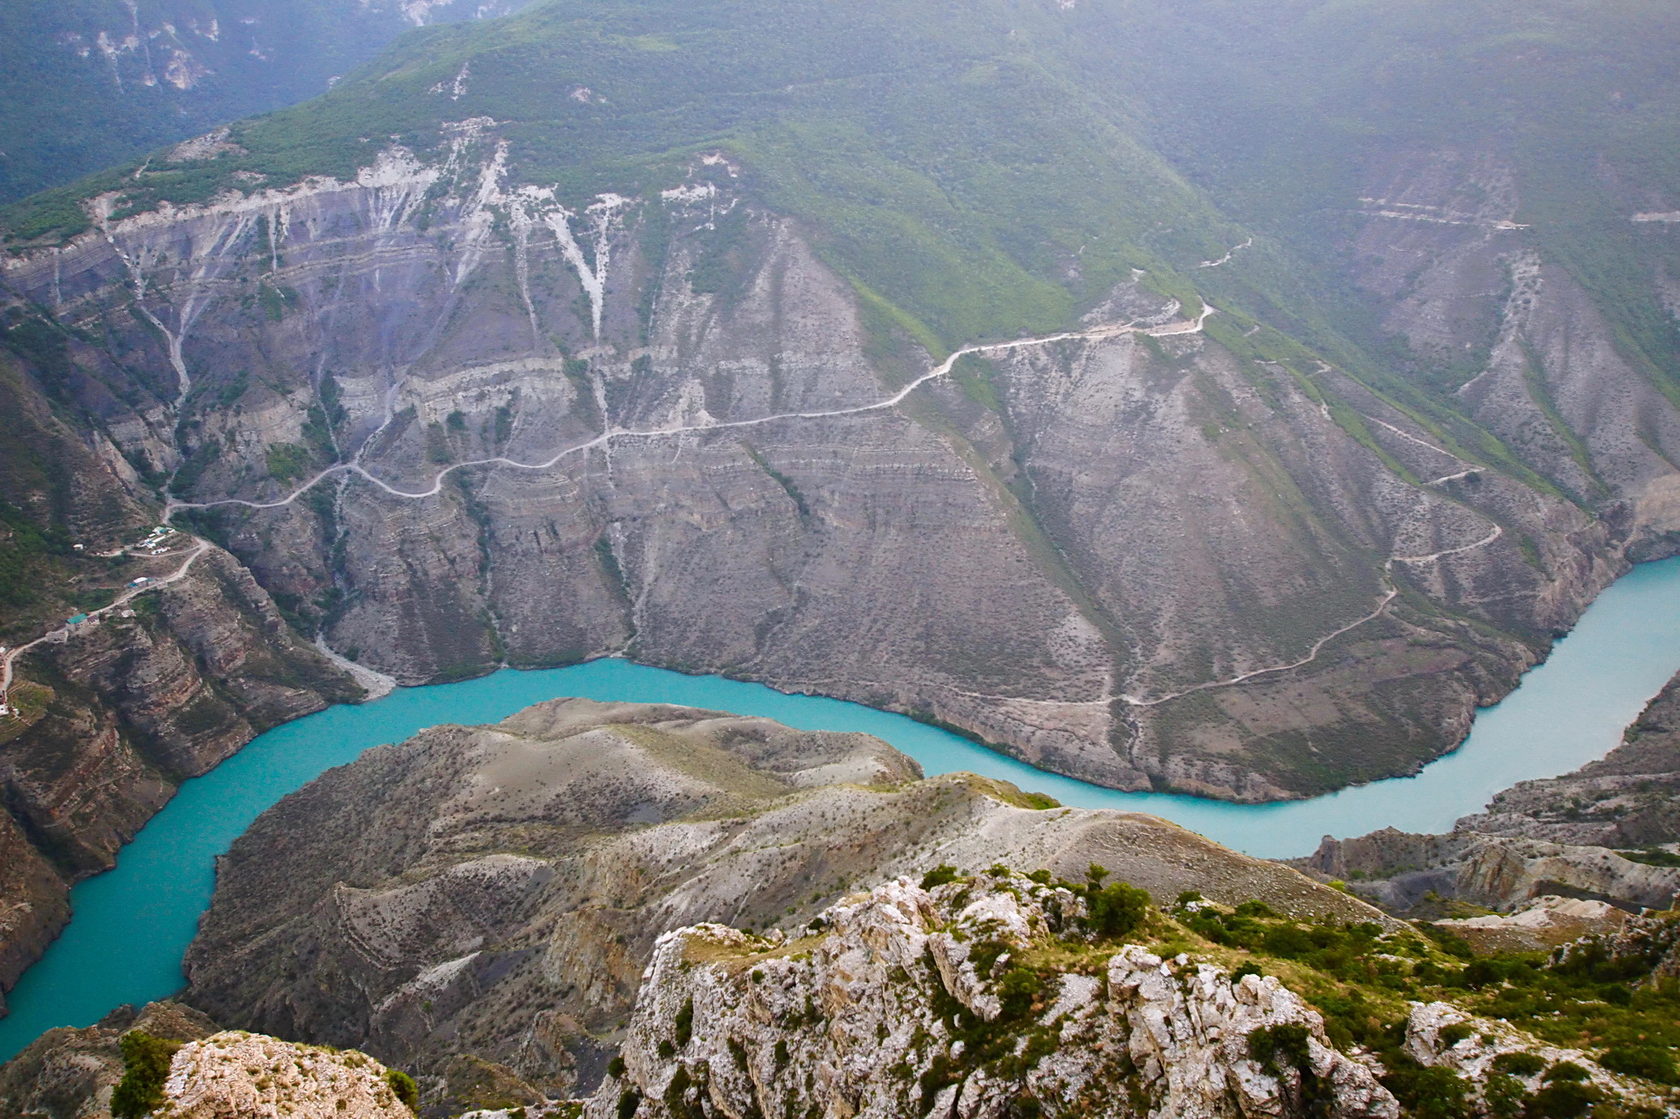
{"x":255,"y":1077}
{"x":1440,"y":1035}
{"x":69,"y":1073}
{"x":862,"y":1015}
{"x":1398,"y":869}
{"x":1137,"y":553}
{"x":480,"y":903}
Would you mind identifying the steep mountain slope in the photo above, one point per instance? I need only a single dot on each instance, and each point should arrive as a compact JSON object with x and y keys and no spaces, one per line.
{"x":90,"y":83}
{"x":1169,"y":397}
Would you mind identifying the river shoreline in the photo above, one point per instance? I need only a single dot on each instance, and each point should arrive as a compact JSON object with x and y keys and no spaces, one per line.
{"x":131,"y":925}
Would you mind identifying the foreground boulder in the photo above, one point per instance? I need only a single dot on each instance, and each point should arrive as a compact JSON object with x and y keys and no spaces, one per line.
{"x":996,"y":997}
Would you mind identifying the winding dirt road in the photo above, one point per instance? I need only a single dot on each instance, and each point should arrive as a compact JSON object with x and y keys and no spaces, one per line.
{"x":63,"y":632}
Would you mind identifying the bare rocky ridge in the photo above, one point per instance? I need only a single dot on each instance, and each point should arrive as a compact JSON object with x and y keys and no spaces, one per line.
{"x":477,"y":905}
{"x":860,"y":1016}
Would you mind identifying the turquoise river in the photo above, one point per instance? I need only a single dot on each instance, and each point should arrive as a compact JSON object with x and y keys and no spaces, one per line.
{"x":132,"y":924}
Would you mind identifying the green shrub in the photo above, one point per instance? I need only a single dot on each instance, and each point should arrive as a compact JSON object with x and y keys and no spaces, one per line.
{"x":1428,"y":1093}
{"x":1453,"y":1033}
{"x":939,"y":876}
{"x":1566,"y":1072}
{"x":684,"y":1023}
{"x":1505,"y":1095}
{"x":1519,"y":1064}
{"x":1563,"y":1099}
{"x":1281,"y":1046}
{"x":404,"y":1088}
{"x":1641,"y":1060}
{"x":1016,"y":991}
{"x":145,"y":1067}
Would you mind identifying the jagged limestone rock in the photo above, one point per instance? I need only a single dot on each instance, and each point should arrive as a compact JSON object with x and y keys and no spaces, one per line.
{"x":1440,"y":1035}
{"x":967,"y":1000}
{"x":254,"y":1077}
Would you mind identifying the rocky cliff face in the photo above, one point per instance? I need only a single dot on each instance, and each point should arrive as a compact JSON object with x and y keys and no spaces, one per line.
{"x":478,"y":905}
{"x":119,"y":711}
{"x":1496,"y":871}
{"x":456,"y":423}
{"x":907,"y":1001}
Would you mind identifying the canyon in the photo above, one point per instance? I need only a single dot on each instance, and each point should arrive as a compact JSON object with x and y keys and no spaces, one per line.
{"x":985,"y":370}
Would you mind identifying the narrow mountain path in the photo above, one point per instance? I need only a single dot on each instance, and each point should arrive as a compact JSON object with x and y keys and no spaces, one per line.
{"x":1226,"y":259}
{"x":942,"y":370}
{"x":938,"y":372}
{"x":63,"y":632}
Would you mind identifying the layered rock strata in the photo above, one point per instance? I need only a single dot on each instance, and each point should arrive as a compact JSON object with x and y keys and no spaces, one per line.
{"x":529,"y":436}
{"x":122,"y":709}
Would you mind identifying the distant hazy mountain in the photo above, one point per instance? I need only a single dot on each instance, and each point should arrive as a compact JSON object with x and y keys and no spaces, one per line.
{"x":89,"y":83}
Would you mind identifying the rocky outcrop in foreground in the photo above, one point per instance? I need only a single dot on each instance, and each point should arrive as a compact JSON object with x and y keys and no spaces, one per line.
{"x":991,"y":998}
{"x":255,"y":1077}
{"x":69,"y":1073}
